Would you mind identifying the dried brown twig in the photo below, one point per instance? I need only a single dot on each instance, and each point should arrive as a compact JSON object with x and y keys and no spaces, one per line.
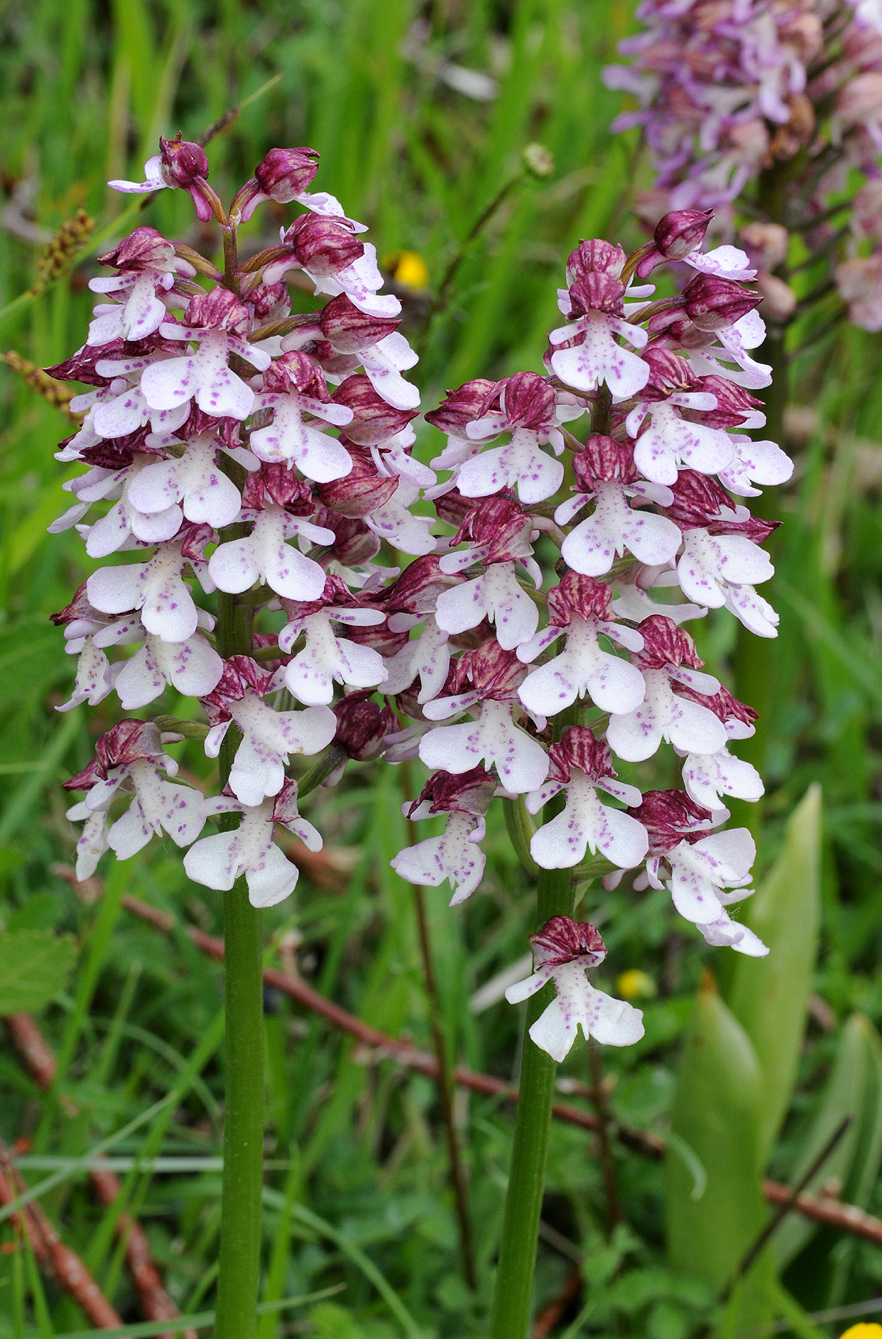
{"x":51,"y":1253}
{"x":155,"y":1302}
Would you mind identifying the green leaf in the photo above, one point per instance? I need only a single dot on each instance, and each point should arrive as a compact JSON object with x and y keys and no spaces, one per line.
{"x":854,"y":1089}
{"x":868,"y":1140}
{"x":33,"y":967}
{"x":717,"y":1113}
{"x":769,"y":996}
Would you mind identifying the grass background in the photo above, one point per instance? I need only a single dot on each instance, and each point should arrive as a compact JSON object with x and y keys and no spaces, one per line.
{"x":85,"y":89}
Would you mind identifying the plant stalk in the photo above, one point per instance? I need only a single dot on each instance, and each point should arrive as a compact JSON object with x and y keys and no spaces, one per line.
{"x":238,"y":1280}
{"x":555,"y":896}
{"x":526,"y":1181}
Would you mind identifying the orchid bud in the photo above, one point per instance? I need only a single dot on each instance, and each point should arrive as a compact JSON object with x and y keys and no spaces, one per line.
{"x":375,"y":421}
{"x":350,"y":330}
{"x":562,"y":940}
{"x":670,"y":817}
{"x":462,"y":407}
{"x":681,"y":232}
{"x":713,"y":303}
{"x":666,"y":644}
{"x":286,"y":173}
{"x":144,"y":249}
{"x":323,"y":244}
{"x":362,"y":725}
{"x":184,"y":163}
{"x":578,"y":748}
{"x":271,"y":302}
{"x":527,"y":400}
{"x":595,"y":257}
{"x":218,"y":310}
{"x":362,"y":490}
{"x":602,"y":460}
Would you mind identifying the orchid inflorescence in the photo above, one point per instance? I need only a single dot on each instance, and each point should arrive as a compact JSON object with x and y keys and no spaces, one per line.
{"x":735,"y":92}
{"x":210,"y":427}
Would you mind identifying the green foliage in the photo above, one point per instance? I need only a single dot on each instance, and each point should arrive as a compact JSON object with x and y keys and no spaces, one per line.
{"x":769,"y":996}
{"x":853,"y":1090}
{"x":352,"y":1138}
{"x":717,"y":1115}
{"x":34,"y":966}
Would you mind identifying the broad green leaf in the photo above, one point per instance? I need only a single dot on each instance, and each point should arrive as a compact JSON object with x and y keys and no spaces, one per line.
{"x":853,"y":1089}
{"x":868,"y":1141}
{"x":717,"y":1112}
{"x":33,"y":967}
{"x":769,"y":996}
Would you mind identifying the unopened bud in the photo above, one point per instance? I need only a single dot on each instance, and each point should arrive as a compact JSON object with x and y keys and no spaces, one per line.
{"x":323,"y":244}
{"x":681,"y":232}
{"x":527,"y":400}
{"x":713,"y":303}
{"x":461,"y":407}
{"x":374,"y":420}
{"x":362,"y":490}
{"x":286,"y":173}
{"x":595,"y":256}
{"x":350,"y":330}
{"x":183,"y":163}
{"x":562,"y":940}
{"x":144,"y":249}
{"x":596,"y":292}
{"x":362,"y":725}
{"x":218,"y":310}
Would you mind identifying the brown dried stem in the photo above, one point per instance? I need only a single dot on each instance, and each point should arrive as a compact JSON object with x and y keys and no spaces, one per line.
{"x":51,"y":1253}
{"x":155,"y":1302}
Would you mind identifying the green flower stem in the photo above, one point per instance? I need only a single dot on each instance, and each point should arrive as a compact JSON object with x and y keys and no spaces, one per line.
{"x":238,"y":1280}
{"x":520,"y":829}
{"x":523,"y":1203}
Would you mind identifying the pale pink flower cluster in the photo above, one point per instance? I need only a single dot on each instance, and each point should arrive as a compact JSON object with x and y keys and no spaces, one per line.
{"x":236,"y":448}
{"x":728,"y":90}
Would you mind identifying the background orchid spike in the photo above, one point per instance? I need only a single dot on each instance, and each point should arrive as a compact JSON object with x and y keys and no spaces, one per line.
{"x":767,"y":117}
{"x":272,"y":476}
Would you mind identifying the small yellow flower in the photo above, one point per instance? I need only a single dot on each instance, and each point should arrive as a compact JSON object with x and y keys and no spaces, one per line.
{"x":407,"y":268}
{"x":633,"y":985}
{"x":863,"y":1330}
